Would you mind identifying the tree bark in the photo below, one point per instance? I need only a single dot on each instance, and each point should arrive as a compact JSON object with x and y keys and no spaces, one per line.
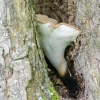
{"x":23,"y":74}
{"x":61,"y":10}
{"x":87,"y":62}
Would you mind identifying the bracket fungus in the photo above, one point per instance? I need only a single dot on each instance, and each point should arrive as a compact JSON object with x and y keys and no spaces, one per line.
{"x":54,"y":38}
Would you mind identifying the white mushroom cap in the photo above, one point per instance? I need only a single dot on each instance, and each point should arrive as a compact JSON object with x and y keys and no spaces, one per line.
{"x":54,"y":39}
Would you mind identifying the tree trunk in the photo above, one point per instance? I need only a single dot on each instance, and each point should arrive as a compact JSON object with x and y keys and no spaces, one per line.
{"x":23,"y":74}
{"x":87,"y":62}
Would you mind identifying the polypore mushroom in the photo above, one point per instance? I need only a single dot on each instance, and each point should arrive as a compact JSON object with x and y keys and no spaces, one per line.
{"x":54,"y":38}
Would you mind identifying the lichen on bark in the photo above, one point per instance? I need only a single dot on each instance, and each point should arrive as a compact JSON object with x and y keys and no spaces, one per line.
{"x":22,"y":67}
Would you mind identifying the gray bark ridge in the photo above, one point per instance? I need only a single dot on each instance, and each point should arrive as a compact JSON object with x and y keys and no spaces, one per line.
{"x":88,"y":61}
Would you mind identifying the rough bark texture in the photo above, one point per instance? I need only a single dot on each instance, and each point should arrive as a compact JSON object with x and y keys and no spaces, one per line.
{"x":88,"y":59}
{"x":23,"y":74}
{"x":61,"y":10}
{"x":22,"y":65}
